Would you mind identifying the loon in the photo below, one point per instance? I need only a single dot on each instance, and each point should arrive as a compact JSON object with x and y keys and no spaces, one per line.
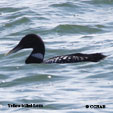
{"x":37,"y":55}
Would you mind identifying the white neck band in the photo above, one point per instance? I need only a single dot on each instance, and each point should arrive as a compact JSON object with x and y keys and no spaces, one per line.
{"x":38,"y":55}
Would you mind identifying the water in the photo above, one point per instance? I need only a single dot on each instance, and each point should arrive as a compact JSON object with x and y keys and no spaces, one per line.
{"x":84,"y":26}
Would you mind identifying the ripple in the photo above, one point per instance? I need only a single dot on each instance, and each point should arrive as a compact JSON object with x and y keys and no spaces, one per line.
{"x":70,"y":29}
{"x":10,"y":9}
{"x":29,"y":80}
{"x":18,"y":21}
{"x":100,"y":2}
{"x":64,"y":5}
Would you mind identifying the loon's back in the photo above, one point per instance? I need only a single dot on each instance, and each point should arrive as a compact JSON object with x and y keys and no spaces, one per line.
{"x":77,"y":57}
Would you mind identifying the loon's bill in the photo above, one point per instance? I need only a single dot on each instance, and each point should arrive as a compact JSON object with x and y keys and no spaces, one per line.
{"x":16,"y":49}
{"x":37,"y":55}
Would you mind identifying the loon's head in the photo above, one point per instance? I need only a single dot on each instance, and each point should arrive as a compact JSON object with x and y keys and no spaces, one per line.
{"x":31,"y":41}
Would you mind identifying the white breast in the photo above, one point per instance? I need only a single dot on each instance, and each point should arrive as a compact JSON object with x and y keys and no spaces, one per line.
{"x":38,"y":55}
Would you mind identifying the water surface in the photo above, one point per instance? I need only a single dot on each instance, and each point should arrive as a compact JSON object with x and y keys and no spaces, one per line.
{"x":66,"y":27}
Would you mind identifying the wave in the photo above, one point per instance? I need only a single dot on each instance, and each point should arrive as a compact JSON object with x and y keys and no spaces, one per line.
{"x":20,"y":20}
{"x":66,"y":4}
{"x":97,"y":2}
{"x":68,"y":28}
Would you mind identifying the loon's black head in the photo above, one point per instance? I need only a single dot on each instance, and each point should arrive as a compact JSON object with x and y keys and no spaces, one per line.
{"x":31,"y":41}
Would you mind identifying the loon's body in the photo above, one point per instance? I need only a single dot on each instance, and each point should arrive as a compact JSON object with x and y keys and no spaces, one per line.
{"x":37,"y":55}
{"x":74,"y":58}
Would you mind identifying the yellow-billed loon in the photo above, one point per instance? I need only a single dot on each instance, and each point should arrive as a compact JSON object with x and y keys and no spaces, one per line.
{"x":37,"y":55}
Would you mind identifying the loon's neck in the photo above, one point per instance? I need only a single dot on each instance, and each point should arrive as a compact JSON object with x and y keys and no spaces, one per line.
{"x":36,"y":56}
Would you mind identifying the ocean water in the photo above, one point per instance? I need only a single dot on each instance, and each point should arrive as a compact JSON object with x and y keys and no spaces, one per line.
{"x":66,"y":26}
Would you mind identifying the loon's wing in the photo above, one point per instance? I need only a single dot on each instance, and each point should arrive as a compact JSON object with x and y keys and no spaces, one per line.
{"x":77,"y":57}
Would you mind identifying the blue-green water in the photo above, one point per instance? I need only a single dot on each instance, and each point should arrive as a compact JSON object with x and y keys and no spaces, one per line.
{"x":66,"y":26}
